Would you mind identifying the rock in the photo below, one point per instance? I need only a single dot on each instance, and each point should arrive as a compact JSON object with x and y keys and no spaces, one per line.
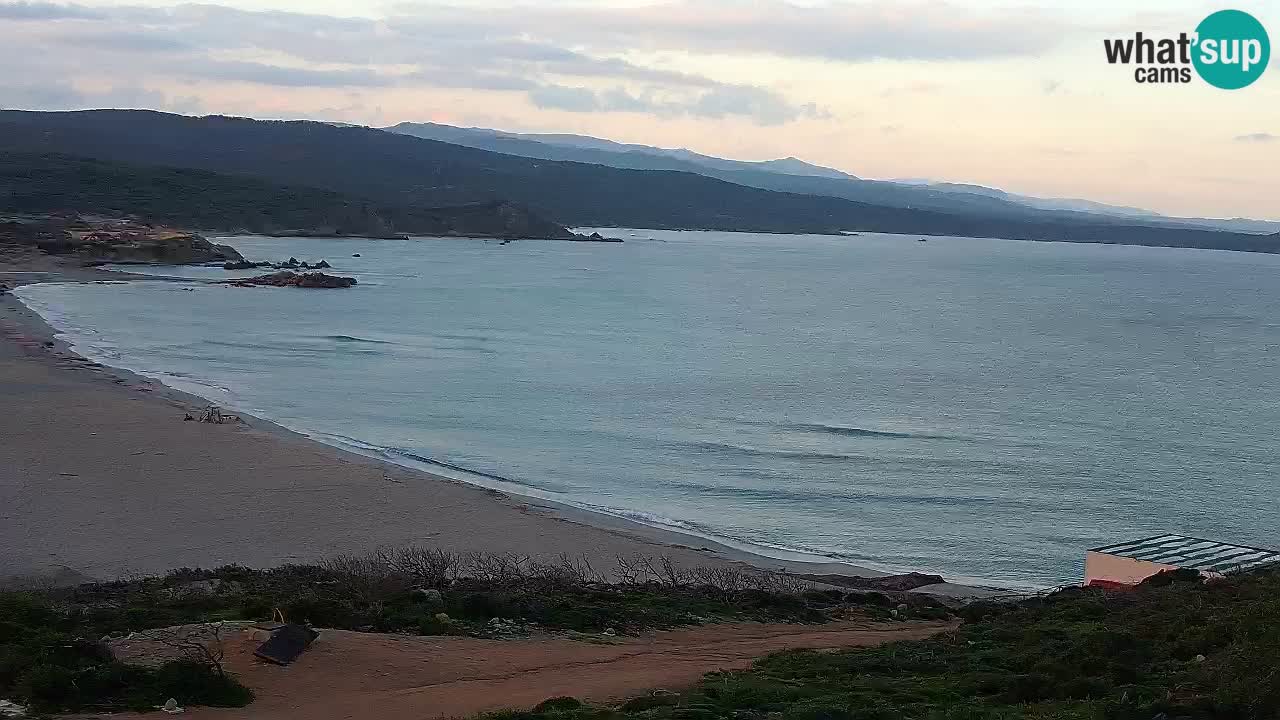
{"x":355,"y":254}
{"x":244,"y":265}
{"x":443,"y":618}
{"x":171,"y":707}
{"x":902,"y":606}
{"x":322,"y":265}
{"x":292,"y":279}
{"x":320,"y":280}
{"x":195,"y":588}
{"x":1200,"y":658}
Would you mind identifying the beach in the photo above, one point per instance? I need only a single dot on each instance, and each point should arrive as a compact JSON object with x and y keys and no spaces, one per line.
{"x":101,"y":478}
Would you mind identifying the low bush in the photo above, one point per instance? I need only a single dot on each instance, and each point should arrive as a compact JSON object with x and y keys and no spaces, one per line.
{"x":48,"y":663}
{"x":1174,"y":648}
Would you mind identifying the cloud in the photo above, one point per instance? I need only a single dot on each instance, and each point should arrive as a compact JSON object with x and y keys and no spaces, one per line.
{"x":1260,"y":137}
{"x":760,"y":105}
{"x":868,"y":30}
{"x":276,"y":75}
{"x":44,"y":11}
{"x":63,"y":96}
{"x":434,"y":47}
{"x":560,"y":97}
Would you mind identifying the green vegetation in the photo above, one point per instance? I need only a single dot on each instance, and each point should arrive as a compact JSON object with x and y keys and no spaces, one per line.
{"x":48,"y":661}
{"x":50,"y":183}
{"x":53,"y":653}
{"x":432,"y":592}
{"x":1174,"y":648}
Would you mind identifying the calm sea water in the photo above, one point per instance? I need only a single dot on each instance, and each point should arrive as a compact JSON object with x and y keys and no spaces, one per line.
{"x":981,"y":408}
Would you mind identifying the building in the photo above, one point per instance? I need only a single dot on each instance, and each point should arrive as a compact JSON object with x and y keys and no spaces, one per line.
{"x":1129,"y":563}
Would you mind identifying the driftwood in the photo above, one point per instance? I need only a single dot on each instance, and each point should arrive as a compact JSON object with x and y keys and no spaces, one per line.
{"x":214,"y":414}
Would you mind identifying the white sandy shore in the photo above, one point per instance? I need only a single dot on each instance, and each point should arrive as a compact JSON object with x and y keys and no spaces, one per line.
{"x":100,"y":478}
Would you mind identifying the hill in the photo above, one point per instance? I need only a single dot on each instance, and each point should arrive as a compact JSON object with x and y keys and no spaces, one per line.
{"x":402,"y":171}
{"x":783,"y":175}
{"x":52,"y":183}
{"x":794,"y":175}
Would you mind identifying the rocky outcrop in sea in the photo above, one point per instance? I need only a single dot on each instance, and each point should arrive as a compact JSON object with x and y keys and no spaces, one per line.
{"x":288,"y":278}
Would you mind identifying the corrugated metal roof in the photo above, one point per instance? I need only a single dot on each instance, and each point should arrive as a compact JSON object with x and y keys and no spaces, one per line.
{"x":1193,"y":553}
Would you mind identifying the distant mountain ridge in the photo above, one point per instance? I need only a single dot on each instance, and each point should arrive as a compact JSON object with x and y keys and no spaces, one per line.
{"x":794,"y":175}
{"x":465,"y":136}
{"x":390,"y":170}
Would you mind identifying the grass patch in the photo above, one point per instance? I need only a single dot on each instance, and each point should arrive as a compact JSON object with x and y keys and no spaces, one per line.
{"x":48,"y":663}
{"x":1173,"y":648}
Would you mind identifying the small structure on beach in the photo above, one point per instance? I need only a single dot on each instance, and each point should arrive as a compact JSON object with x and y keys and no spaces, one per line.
{"x":1129,"y":563}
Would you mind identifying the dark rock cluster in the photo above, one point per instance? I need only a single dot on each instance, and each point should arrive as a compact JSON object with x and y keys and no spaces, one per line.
{"x":288,"y":278}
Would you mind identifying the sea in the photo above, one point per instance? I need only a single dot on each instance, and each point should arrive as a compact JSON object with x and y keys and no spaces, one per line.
{"x":983,"y":409}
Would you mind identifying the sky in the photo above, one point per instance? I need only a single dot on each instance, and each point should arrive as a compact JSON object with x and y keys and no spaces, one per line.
{"x":1015,"y":95}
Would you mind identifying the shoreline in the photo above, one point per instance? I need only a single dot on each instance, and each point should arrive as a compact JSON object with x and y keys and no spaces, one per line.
{"x":594,"y":534}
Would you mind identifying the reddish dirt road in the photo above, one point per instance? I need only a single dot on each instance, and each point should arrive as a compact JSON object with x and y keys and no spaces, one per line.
{"x":390,"y":677}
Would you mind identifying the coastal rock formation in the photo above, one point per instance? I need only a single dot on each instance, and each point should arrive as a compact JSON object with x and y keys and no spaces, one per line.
{"x":886,"y":583}
{"x":291,"y":279}
{"x":290,"y":264}
{"x":595,"y":237}
{"x":97,"y":241}
{"x":245,"y":265}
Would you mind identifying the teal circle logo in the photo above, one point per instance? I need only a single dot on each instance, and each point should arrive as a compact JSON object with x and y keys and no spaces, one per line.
{"x":1232,"y":50}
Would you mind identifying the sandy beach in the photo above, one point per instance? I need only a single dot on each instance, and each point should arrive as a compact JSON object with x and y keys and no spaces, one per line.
{"x":101,"y":478}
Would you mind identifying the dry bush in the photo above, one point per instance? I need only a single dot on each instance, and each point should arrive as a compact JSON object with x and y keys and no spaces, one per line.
{"x":201,"y":644}
{"x":566,"y":571}
{"x":383,"y":573}
{"x":368,"y":577}
{"x":426,"y":567}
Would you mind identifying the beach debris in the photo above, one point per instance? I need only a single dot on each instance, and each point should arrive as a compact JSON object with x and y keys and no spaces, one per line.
{"x":214,"y":414}
{"x":286,"y":644}
{"x":10,"y":709}
{"x":171,"y":706}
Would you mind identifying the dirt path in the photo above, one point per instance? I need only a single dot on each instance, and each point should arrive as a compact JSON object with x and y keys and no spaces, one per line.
{"x":390,"y":677}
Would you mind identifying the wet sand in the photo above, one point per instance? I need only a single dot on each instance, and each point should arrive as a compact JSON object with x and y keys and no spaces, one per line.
{"x":101,"y":478}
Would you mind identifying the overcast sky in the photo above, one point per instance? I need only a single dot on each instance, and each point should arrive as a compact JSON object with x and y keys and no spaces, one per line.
{"x":1017,"y":96}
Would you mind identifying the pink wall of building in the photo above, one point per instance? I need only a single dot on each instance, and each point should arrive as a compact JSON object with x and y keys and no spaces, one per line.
{"x":1103,"y":568}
